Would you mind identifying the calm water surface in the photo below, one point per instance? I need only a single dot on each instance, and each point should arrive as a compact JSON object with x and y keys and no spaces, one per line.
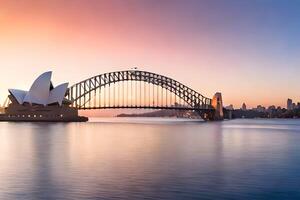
{"x":150,"y":159}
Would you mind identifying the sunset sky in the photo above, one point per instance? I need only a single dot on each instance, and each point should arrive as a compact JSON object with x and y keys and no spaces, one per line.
{"x":247,"y":49}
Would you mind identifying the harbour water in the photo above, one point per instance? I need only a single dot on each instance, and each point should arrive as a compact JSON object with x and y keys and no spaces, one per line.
{"x":150,"y":159}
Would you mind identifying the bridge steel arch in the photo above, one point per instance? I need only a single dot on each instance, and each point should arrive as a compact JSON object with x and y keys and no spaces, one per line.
{"x":81,"y":93}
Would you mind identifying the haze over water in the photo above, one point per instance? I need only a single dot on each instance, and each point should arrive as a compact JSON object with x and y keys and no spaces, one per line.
{"x":150,"y":159}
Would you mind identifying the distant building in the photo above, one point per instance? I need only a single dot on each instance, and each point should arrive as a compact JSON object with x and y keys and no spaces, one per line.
{"x":294,"y":106}
{"x":230,"y":107}
{"x":272,"y":107}
{"x":244,"y":107}
{"x":260,"y":108}
{"x":289,"y":104}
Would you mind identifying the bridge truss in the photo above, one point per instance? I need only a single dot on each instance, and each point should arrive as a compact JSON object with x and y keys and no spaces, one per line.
{"x":135,"y":89}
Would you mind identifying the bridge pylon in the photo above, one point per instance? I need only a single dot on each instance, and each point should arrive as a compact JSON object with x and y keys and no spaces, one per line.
{"x":217,"y":104}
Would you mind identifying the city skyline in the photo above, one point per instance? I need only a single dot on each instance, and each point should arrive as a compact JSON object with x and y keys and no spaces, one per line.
{"x":249,"y":51}
{"x":290,"y":105}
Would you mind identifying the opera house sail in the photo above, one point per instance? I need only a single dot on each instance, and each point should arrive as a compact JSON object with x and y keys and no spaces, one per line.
{"x":43,"y":102}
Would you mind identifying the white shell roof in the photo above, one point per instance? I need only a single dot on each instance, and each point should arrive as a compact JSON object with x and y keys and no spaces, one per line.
{"x":40,"y":92}
{"x":57,"y":94}
{"x":18,"y":94}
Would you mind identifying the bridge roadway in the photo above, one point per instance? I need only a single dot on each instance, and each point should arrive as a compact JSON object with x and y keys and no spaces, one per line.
{"x":148,"y":107}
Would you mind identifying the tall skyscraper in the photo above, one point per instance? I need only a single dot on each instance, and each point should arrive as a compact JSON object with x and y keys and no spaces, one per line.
{"x":289,"y":104}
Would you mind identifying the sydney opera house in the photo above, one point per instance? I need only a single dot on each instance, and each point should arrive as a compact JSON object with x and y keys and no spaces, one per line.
{"x":43,"y":102}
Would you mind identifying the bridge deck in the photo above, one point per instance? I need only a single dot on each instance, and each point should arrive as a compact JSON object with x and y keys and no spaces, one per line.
{"x":147,"y":107}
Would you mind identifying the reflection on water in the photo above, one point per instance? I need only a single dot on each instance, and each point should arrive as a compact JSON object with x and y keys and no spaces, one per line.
{"x":150,"y":159}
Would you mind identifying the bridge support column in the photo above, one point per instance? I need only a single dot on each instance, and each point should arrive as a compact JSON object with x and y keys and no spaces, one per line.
{"x":217,"y":104}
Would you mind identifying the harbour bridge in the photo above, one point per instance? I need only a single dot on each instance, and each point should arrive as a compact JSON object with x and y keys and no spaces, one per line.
{"x":135,"y":89}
